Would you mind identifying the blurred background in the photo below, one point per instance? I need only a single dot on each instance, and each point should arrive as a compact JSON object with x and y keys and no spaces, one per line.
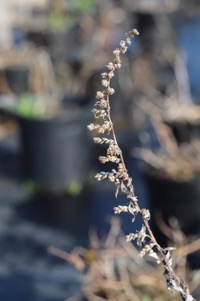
{"x":52,"y":54}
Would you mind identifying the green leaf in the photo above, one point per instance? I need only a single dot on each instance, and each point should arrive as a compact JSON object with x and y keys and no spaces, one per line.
{"x":83,"y":6}
{"x":29,"y":186}
{"x":146,"y":298}
{"x":25,"y":105}
{"x":74,"y":188}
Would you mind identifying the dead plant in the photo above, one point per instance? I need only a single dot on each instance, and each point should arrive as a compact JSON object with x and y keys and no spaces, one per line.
{"x":113,"y":269}
{"x":119,"y":176}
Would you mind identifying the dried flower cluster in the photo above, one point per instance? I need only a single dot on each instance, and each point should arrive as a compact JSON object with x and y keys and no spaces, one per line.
{"x":120,"y":177}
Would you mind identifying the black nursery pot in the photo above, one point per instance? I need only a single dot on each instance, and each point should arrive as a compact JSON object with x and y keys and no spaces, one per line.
{"x":39,"y":38}
{"x":18,"y":78}
{"x":174,"y":199}
{"x":56,"y":151}
{"x":184,"y":131}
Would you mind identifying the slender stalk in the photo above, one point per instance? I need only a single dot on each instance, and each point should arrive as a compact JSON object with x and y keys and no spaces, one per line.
{"x":119,"y":176}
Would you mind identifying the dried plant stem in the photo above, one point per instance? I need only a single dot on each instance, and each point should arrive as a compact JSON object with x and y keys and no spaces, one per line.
{"x":161,"y":251}
{"x":144,"y":237}
{"x":131,"y":188}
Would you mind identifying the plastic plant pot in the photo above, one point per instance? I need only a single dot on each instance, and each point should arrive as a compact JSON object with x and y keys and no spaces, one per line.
{"x":170,"y":198}
{"x":56,"y":151}
{"x":17,"y":78}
